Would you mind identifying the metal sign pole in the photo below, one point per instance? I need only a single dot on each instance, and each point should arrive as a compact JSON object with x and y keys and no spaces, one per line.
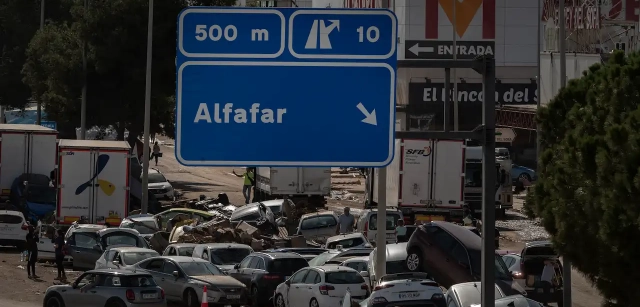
{"x":381,"y":238}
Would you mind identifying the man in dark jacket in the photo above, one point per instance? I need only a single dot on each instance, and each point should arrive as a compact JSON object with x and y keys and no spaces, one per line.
{"x":32,"y":248}
{"x":58,"y":242}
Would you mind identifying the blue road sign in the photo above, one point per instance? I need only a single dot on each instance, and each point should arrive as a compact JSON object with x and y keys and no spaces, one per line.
{"x":285,"y":87}
{"x":49,"y":124}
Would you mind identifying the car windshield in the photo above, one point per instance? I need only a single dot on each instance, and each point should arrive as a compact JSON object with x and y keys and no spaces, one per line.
{"x":395,"y":267}
{"x":186,"y":251}
{"x":122,"y":239}
{"x":157,"y":178}
{"x":392,"y":219}
{"x":322,"y":258}
{"x":287,"y":266}
{"x":229,"y":256}
{"x":40,"y":194}
{"x":130,"y":258}
{"x":344,"y":277}
{"x":143,"y":227}
{"x":130,"y":281}
{"x":473,"y":174}
{"x":199,"y":268}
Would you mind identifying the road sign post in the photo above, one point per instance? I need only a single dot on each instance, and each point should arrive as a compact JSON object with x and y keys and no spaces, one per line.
{"x":285,"y":87}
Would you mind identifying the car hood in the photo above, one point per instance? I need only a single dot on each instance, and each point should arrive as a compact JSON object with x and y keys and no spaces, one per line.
{"x":219,"y":280}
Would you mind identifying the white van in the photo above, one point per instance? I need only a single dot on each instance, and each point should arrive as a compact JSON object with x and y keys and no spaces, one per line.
{"x":368,"y":225}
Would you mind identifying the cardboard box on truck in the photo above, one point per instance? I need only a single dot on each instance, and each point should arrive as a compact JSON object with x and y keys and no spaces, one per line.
{"x":25,"y":149}
{"x":93,"y":181}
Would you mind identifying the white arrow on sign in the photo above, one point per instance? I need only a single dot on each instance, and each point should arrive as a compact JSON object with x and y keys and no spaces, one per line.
{"x":370,"y":118}
{"x":505,"y":135}
{"x":416,"y":49}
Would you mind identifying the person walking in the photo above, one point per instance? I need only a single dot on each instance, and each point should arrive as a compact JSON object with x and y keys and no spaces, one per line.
{"x":345,"y":222}
{"x":156,"y":152}
{"x":249,"y":180}
{"x":32,"y":249}
{"x":58,"y":245}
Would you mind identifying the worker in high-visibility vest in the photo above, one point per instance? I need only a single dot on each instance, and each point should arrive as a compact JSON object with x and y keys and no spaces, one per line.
{"x":248,"y":183}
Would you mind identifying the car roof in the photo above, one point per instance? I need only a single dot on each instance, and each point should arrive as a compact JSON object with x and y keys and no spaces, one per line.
{"x":357,"y":259}
{"x":178,"y":245}
{"x":281,"y":255}
{"x":354,"y":249}
{"x":345,"y":237}
{"x":87,"y":228}
{"x":117,"y":272}
{"x":299,"y":250}
{"x":181,"y":258}
{"x":226,"y":245}
{"x":470,"y":240}
{"x":538,"y":244}
{"x":334,"y":268}
{"x":324,"y":212}
{"x":140,"y":218}
{"x":187,"y":210}
{"x":132,"y":249}
{"x":469,"y":292}
{"x":106,"y":231}
{"x":12,"y":212}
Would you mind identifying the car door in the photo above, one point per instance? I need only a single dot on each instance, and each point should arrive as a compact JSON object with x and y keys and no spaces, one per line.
{"x":82,"y":246}
{"x":293,"y":292}
{"x":251,"y":270}
{"x":155,"y":268}
{"x":459,"y":263}
{"x":306,"y":290}
{"x":238,"y":273}
{"x":172,"y":286}
{"x":75,"y":293}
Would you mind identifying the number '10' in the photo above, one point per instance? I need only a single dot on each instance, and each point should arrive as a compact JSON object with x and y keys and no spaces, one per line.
{"x":373,"y":34}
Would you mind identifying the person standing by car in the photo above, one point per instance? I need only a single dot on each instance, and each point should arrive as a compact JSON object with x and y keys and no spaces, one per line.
{"x":156,"y":152}
{"x":32,"y":249}
{"x":401,"y":231}
{"x":345,"y":222}
{"x":546,"y":280}
{"x":58,"y":245}
{"x":249,"y":180}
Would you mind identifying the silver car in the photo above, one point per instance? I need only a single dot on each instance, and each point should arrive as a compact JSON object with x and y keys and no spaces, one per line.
{"x":119,"y":257}
{"x":183,"y":280}
{"x":117,"y":288}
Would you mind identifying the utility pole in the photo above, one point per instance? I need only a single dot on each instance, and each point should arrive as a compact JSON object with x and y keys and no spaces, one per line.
{"x":39,"y":103}
{"x":454,"y":71}
{"x":381,"y":223}
{"x":538,"y":81}
{"x":566,"y":271}
{"x":83,"y":105}
{"x":147,"y":114}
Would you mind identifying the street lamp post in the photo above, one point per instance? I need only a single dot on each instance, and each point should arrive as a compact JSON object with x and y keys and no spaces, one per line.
{"x":147,"y":114}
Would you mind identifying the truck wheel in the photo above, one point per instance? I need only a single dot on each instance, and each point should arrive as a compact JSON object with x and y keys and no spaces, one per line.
{"x":414,"y":260}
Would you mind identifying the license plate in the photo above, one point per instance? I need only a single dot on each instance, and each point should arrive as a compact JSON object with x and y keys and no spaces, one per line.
{"x":149,"y":296}
{"x":233,"y":297}
{"x":409,"y":295}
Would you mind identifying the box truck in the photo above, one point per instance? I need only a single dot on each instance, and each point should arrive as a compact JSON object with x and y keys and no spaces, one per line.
{"x":93,"y":181}
{"x":25,"y":149}
{"x":303,"y":185}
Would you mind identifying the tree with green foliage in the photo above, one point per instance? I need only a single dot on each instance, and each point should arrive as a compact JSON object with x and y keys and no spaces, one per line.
{"x":19,"y":21}
{"x":115,"y":32}
{"x":589,"y":176}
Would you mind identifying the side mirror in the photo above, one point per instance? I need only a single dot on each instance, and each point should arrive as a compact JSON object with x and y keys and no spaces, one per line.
{"x":364,"y":274}
{"x":175,"y":274}
{"x":236,"y":266}
{"x":97,"y":247}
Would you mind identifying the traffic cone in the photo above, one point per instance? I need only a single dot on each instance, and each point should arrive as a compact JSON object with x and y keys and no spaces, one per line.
{"x":205,"y":303}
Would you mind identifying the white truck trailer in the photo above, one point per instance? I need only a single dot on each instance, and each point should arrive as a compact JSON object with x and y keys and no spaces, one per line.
{"x":93,"y":181}
{"x":303,"y":185}
{"x":25,"y":149}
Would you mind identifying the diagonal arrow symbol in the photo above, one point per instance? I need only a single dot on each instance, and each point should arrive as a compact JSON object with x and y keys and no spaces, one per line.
{"x":369,"y":118}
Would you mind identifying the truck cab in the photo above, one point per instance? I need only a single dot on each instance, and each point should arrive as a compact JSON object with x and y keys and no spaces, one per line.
{"x":473,"y":180}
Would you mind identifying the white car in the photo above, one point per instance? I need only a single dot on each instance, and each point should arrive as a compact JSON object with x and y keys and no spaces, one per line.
{"x":118,"y":257}
{"x":13,"y":229}
{"x":159,"y":186}
{"x":318,"y":226}
{"x":324,"y":286}
{"x":357,"y":263}
{"x":468,"y":294}
{"x":406,"y":290}
{"x":348,"y":240}
{"x":145,"y":224}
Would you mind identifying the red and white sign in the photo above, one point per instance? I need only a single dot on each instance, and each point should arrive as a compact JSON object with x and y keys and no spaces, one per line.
{"x":468,"y":13}
{"x":577,"y":15}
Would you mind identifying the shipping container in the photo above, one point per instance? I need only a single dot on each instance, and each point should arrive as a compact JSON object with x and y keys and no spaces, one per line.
{"x":93,"y":181}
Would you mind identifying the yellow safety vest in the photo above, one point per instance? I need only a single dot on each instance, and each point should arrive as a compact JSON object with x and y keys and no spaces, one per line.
{"x":248,"y":177}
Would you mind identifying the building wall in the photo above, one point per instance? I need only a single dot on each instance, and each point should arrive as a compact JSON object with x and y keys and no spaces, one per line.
{"x":550,"y":71}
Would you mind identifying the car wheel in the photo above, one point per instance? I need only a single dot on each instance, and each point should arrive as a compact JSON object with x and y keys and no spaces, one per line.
{"x":115,"y":303}
{"x":191,"y":298}
{"x":414,"y":261}
{"x":254,"y":296}
{"x":313,"y":303}
{"x":54,"y":301}
{"x":525,"y":176}
{"x":280,"y":301}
